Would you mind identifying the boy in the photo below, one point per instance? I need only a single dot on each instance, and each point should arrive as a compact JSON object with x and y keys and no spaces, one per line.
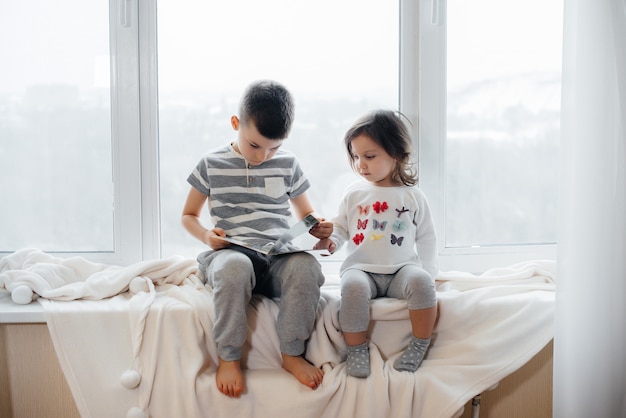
{"x":248,"y":186}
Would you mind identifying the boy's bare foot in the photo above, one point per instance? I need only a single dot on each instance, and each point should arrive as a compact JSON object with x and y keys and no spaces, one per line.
{"x":229,"y":378}
{"x":304,"y":371}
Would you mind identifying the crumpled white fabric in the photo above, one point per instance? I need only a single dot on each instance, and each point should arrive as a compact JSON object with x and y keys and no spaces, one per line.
{"x":489,"y":325}
{"x":74,"y":278}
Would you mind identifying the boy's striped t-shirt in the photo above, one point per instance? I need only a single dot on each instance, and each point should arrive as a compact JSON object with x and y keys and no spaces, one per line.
{"x":251,"y":203}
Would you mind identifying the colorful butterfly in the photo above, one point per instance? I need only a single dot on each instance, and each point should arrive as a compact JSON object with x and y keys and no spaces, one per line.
{"x":396,"y":240}
{"x":379,"y":225}
{"x":361,"y":224}
{"x":358,"y":238}
{"x":398,"y":226}
{"x":380,"y":207}
{"x":376,"y":237}
{"x":364,"y":210}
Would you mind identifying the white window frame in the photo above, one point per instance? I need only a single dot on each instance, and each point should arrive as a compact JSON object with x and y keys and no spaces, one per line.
{"x":125,"y":134}
{"x":134,"y":132}
{"x":149,"y":137}
{"x":135,"y":137}
{"x":431,"y":134}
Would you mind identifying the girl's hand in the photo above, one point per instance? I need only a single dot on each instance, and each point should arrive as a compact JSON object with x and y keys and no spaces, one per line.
{"x":326,"y":244}
{"x":322,"y":230}
{"x":210,"y":238}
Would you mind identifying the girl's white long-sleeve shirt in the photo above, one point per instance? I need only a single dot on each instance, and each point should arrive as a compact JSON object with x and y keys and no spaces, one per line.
{"x":385,"y":228}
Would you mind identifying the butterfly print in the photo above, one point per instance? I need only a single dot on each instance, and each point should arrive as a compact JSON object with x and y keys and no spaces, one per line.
{"x":396,"y":240}
{"x":358,"y":238}
{"x":401,"y":211}
{"x":363,"y":210}
{"x":379,"y":207}
{"x":398,"y":226}
{"x":361,"y":224}
{"x":376,"y":237}
{"x":379,"y":225}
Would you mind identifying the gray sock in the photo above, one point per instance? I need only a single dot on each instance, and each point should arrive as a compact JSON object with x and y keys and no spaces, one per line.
{"x":412,"y":357}
{"x":358,"y":360}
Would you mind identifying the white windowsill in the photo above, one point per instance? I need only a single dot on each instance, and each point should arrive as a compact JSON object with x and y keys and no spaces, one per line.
{"x":12,"y":313}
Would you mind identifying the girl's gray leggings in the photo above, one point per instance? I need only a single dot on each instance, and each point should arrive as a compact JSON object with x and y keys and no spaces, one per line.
{"x":358,"y":287}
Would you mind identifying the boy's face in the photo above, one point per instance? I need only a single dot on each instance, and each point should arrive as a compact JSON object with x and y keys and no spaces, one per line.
{"x":255,"y":148}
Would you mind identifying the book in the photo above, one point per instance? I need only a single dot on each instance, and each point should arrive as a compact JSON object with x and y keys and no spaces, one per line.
{"x":277,"y":247}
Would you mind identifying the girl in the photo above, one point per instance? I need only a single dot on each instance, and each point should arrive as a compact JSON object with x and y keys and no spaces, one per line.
{"x":392,"y":247}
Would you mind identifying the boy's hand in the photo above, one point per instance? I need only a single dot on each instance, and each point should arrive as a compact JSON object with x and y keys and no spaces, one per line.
{"x":326,"y":244}
{"x":322,"y":230}
{"x":214,"y":242}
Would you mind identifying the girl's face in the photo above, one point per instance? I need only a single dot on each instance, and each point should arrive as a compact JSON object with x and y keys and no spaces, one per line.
{"x":372,"y":162}
{"x":255,"y":148}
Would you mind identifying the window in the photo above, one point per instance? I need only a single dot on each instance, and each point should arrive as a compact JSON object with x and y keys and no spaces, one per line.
{"x":489,"y":127}
{"x":337,"y":68}
{"x":63,"y":111}
{"x":95,"y":147}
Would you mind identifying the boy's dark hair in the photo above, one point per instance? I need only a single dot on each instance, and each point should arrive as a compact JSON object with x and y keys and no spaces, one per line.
{"x":387,"y":129}
{"x":270,"y":107}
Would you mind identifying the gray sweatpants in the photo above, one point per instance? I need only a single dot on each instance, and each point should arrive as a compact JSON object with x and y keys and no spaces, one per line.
{"x":235,"y":275}
{"x":358,"y":287}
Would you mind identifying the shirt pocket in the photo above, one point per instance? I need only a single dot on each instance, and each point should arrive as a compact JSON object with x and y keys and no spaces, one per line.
{"x":274,"y":187}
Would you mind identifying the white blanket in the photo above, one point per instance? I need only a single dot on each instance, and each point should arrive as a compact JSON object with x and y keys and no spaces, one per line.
{"x":136,"y":341}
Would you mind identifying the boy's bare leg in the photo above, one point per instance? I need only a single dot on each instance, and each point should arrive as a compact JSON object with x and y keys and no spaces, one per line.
{"x":304,"y":371}
{"x":229,"y":378}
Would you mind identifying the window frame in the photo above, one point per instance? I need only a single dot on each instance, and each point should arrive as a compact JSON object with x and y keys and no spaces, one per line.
{"x":125,"y":129}
{"x":149,"y":128}
{"x":432,"y":151}
{"x":134,"y":119}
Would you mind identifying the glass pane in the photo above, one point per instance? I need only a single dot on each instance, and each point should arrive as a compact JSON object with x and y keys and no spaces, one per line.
{"x":338,"y":65}
{"x":503,"y":110}
{"x":55,"y":126}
